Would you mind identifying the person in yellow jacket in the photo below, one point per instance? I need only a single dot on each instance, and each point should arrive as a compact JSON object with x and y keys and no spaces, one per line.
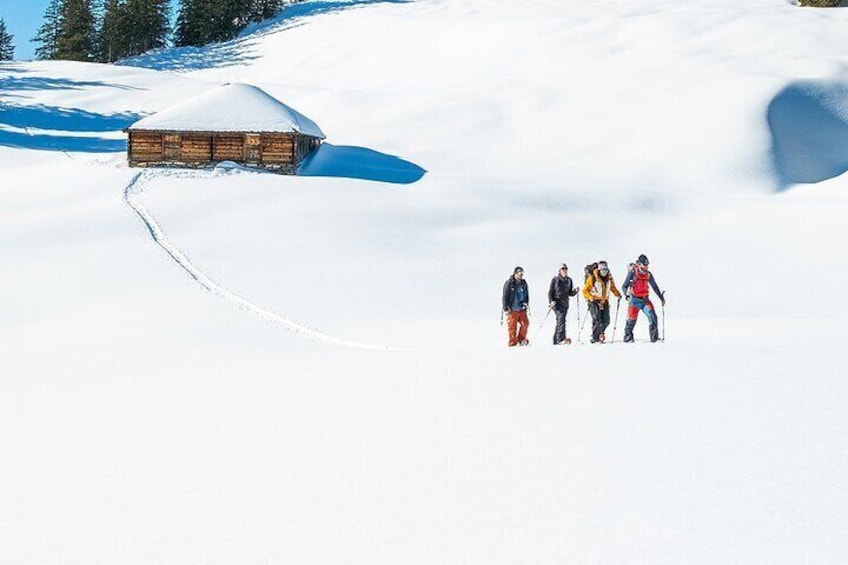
{"x":596,"y":290}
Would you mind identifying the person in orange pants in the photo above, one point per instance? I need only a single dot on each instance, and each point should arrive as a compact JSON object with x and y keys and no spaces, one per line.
{"x":516,"y":297}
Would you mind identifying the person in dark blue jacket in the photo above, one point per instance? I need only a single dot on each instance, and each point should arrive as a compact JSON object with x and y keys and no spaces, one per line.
{"x":516,"y":297}
{"x":561,"y":289}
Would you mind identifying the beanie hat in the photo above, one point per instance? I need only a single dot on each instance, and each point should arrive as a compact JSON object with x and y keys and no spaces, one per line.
{"x":642,"y":260}
{"x":564,"y":266}
{"x":518,"y":270}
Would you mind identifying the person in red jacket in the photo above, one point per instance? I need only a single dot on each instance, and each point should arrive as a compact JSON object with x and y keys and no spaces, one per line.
{"x":637,"y":287}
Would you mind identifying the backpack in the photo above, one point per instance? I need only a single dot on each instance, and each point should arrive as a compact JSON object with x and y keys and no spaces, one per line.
{"x":639,"y":286}
{"x":590,"y":271}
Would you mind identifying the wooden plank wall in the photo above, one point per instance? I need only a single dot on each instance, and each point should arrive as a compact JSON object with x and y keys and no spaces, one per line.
{"x":282,"y":152}
{"x":196,"y":148}
{"x":146,"y":146}
{"x":277,"y":149}
{"x":229,"y":147}
{"x":304,"y":146}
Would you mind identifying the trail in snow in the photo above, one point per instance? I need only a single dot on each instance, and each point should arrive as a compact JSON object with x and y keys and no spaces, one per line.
{"x":131,"y":193}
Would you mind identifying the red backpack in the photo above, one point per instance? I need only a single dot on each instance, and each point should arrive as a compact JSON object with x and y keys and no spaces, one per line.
{"x":640,"y":287}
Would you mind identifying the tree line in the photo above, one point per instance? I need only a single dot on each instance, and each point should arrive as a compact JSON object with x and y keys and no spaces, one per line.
{"x":109,"y":30}
{"x":7,"y":49}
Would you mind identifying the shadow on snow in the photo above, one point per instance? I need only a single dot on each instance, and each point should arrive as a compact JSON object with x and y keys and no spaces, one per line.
{"x":46,"y":142}
{"x":65,"y":119}
{"x":320,"y":7}
{"x":61,"y":123}
{"x":359,"y":163}
{"x":216,"y":55}
{"x":12,"y":83}
{"x":809,"y":129}
{"x":237,"y":51}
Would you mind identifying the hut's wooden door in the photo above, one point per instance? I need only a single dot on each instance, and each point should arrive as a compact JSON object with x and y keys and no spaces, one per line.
{"x":252,"y":148}
{"x":171,"y":142}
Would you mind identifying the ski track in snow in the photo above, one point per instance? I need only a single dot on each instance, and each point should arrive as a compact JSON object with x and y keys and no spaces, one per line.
{"x":131,"y":193}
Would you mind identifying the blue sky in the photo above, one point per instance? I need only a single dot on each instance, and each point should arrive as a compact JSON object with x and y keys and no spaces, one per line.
{"x":23,"y":18}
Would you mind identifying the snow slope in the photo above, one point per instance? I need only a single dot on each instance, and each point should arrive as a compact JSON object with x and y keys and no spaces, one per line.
{"x":203,"y":396}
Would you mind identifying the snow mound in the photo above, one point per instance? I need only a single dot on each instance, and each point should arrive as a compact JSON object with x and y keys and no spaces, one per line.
{"x":232,"y":107}
{"x":809,"y":128}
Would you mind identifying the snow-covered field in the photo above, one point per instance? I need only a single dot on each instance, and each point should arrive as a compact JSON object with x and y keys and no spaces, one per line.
{"x":314,"y":370}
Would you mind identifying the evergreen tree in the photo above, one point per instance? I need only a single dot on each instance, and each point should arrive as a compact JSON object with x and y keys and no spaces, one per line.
{"x":195,"y":23}
{"x":185,"y":33}
{"x":204,"y":21}
{"x":48,"y":33}
{"x":261,"y":10}
{"x":145,"y":25}
{"x":77,"y":33}
{"x":7,"y":50}
{"x":232,"y":17}
{"x":110,"y":41}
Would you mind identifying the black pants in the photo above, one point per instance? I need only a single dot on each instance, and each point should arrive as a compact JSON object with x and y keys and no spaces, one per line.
{"x":561,"y":311}
{"x":600,"y":318}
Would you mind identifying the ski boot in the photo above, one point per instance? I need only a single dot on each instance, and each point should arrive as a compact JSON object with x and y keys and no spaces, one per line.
{"x":628,"y":331}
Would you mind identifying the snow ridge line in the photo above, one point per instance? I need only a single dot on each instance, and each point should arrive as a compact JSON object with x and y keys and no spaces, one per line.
{"x":136,"y":187}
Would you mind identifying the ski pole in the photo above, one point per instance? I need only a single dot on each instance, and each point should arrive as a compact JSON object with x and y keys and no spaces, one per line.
{"x":546,"y":318}
{"x":502,"y":316}
{"x":539,"y":330}
{"x":578,"y":318}
{"x":662,"y":295}
{"x":580,"y":332}
{"x":615,"y":325}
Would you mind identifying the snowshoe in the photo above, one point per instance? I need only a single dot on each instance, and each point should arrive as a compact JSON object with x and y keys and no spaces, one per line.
{"x":524,"y":342}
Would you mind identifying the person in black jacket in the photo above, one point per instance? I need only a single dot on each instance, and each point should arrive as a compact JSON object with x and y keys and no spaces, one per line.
{"x":561,"y":289}
{"x":516,"y":297}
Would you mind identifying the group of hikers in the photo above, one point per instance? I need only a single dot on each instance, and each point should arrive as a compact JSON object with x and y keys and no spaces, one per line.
{"x":597,"y":287}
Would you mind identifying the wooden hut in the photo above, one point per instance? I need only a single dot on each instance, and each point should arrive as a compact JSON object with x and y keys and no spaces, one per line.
{"x":234,"y":122}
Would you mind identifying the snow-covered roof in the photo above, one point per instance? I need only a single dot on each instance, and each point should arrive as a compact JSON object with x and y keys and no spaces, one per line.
{"x":232,"y":107}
